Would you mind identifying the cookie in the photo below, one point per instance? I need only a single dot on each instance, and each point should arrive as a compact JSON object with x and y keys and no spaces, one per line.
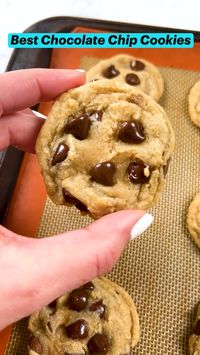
{"x":194,"y":340}
{"x":98,"y":318}
{"x":194,"y":104}
{"x":131,"y":71}
{"x":193,"y":219}
{"x":104,"y":148}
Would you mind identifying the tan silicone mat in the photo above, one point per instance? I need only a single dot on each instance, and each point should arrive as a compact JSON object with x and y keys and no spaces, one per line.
{"x":161,"y":268}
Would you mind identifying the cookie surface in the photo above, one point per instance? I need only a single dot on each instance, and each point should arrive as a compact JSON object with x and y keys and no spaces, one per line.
{"x":193,"y":219}
{"x":100,"y":317}
{"x":131,"y":71}
{"x":194,"y":104}
{"x":194,"y":340}
{"x":105,"y":148}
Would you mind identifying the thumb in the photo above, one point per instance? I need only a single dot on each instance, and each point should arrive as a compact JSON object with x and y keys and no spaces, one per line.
{"x":36,"y":271}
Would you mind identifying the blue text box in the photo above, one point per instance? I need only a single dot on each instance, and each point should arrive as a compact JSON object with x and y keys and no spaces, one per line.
{"x":101,"y":40}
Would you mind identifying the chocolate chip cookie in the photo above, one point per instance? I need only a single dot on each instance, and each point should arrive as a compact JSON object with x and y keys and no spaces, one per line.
{"x":193,"y":219}
{"x":194,"y":340}
{"x":132,"y":71}
{"x":194,"y":104}
{"x":105,"y":147}
{"x":98,"y":318}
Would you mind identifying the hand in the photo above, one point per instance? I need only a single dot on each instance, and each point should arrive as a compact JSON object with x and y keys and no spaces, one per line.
{"x":33,"y":272}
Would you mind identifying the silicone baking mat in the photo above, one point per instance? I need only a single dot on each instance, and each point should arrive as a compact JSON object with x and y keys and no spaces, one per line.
{"x":160,"y":270}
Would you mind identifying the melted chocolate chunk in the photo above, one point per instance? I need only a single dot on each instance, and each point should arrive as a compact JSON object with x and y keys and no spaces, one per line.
{"x":89,"y":286}
{"x":35,"y":345}
{"x":96,"y":115}
{"x":77,"y":330}
{"x":52,"y":304}
{"x":196,"y":329}
{"x":79,"y":127}
{"x":103,"y":173}
{"x":78,"y":299}
{"x":136,"y":171}
{"x":99,"y":308}
{"x":111,"y":72}
{"x":73,"y":200}
{"x":166,"y":167}
{"x":137,"y":65}
{"x":60,"y":153}
{"x":131,"y":132}
{"x":132,"y":79}
{"x":98,"y":344}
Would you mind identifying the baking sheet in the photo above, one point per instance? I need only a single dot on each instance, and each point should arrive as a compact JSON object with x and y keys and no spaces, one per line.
{"x":160,"y":270}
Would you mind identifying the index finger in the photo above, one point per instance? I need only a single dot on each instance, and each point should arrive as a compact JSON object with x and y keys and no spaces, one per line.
{"x":24,"y":88}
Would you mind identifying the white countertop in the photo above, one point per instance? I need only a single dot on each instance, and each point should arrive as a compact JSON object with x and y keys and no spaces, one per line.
{"x":17,"y":15}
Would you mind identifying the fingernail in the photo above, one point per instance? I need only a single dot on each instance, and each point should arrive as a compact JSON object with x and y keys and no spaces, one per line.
{"x":81,"y":70}
{"x":141,"y":226}
{"x":38,"y":114}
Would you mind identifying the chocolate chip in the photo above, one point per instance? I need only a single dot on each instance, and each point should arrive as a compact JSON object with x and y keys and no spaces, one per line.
{"x":166,"y":167}
{"x":60,"y":153}
{"x":103,"y":173}
{"x":52,"y":304}
{"x":81,"y":207}
{"x":96,"y":115}
{"x":79,"y":127}
{"x":35,"y":345}
{"x":132,"y":79}
{"x":98,"y":307}
{"x":69,"y":198}
{"x":136,"y":171}
{"x":78,"y":299}
{"x":95,"y":79}
{"x":131,"y":132}
{"x":98,"y":344}
{"x":196,"y":329}
{"x":111,"y":72}
{"x":89,"y":286}
{"x":77,"y":330}
{"x":137,"y":65}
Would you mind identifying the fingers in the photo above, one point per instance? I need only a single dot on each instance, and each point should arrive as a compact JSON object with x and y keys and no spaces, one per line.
{"x":20,"y":130}
{"x":34,"y":272}
{"x":24,"y":88}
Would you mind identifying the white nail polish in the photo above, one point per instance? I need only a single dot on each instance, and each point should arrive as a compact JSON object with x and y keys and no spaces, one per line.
{"x":38,"y":114}
{"x":141,"y":225}
{"x":81,"y":70}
